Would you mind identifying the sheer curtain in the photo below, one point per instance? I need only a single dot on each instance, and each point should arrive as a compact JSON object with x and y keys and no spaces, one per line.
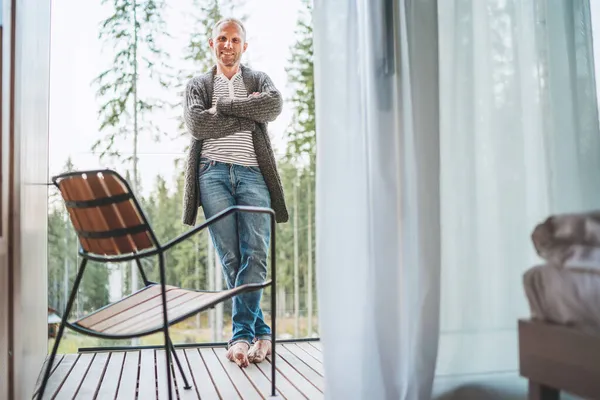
{"x":378,"y":249}
{"x":519,"y":141}
{"x":416,"y":222}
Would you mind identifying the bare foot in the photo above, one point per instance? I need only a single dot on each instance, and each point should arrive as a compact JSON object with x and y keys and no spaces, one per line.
{"x":238,"y":353}
{"x":259,"y":351}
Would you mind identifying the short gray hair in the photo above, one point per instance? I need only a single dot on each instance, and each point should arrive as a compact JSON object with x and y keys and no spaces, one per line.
{"x":217,"y":26}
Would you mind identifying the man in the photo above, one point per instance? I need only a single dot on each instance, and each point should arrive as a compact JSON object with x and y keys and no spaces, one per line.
{"x":231,"y":162}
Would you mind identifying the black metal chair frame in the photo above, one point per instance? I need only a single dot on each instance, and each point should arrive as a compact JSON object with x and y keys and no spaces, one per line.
{"x":158,"y":250}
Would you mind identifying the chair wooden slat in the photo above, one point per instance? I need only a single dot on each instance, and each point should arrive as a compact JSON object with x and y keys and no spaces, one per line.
{"x":68,"y":196}
{"x":154,"y":317}
{"x":97,"y":223}
{"x":94,"y":214}
{"x":143,"y":310}
{"x":104,"y":218}
{"x":110,"y":214}
{"x":137,"y":311}
{"x":75,"y":221}
{"x":124,"y":304}
{"x":129,"y":214}
{"x":72,"y":192}
{"x":89,"y":222}
{"x":175,"y":309}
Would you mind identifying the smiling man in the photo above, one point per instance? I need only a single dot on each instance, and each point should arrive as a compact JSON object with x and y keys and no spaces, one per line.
{"x":231,"y":162}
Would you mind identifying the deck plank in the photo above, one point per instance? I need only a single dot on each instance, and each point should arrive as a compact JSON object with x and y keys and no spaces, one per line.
{"x":242,"y":382}
{"x":60,"y":374}
{"x":110,"y":381}
{"x":147,"y":378}
{"x":259,"y":380}
{"x":141,"y":374}
{"x":161,"y":379}
{"x":129,"y":376}
{"x":220,"y":377}
{"x":305,"y":357}
{"x":284,"y":387}
{"x":93,"y":378}
{"x":57,"y":360}
{"x":302,"y":368}
{"x":316,"y":345}
{"x":316,"y":354}
{"x":202,"y":381}
{"x":298,"y":380}
{"x":71,"y":385}
{"x":187,"y":394}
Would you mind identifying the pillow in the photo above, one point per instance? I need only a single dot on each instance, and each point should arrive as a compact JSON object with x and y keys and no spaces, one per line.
{"x":571,"y":240}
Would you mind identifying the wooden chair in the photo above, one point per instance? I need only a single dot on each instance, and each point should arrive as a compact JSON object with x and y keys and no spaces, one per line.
{"x":111,"y":227}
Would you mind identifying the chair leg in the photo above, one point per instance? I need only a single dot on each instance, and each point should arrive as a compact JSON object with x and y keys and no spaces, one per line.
{"x":61,"y":329}
{"x":185,"y":381}
{"x":273,"y":345}
{"x":273,"y":307}
{"x":163,"y":279}
{"x":142,"y":273}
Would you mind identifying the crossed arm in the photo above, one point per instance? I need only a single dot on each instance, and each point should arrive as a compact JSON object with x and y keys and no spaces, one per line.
{"x":261,"y":107}
{"x":231,"y":114}
{"x":203,"y":123}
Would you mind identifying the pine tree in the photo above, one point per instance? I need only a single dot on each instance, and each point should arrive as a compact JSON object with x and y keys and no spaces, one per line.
{"x":132,"y":32}
{"x":300,"y":155}
{"x":301,"y":133}
{"x":198,"y":51}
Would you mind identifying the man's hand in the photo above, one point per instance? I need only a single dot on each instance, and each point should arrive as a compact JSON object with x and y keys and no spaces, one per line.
{"x":254,"y":94}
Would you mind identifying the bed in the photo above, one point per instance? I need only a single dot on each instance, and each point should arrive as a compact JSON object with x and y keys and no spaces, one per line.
{"x":559,"y":346}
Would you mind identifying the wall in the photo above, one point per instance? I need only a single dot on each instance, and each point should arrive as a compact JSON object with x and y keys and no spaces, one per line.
{"x":4,"y":273}
{"x":27,"y":174}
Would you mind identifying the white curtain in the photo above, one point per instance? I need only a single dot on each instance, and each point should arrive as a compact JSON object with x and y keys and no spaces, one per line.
{"x":519,"y":141}
{"x":397,"y":197}
{"x":378,"y":249}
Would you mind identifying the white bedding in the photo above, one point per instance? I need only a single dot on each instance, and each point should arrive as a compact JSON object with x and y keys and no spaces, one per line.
{"x":564,"y":295}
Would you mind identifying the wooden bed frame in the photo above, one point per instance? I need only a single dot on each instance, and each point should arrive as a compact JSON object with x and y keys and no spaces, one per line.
{"x":557,"y":358}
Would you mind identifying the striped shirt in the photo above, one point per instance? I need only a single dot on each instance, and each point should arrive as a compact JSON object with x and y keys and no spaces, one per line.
{"x":237,"y":148}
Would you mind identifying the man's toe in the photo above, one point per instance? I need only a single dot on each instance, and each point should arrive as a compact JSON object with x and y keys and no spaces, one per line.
{"x":241,"y":360}
{"x":252,"y":355}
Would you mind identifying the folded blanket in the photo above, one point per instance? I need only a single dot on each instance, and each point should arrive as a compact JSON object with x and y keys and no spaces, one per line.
{"x":565,"y":297}
{"x":570,"y":240}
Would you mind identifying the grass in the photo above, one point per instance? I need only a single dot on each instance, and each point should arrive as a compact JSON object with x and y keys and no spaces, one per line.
{"x":185,"y":332}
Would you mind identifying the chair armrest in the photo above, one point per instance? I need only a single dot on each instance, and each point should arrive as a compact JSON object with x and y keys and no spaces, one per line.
{"x":184,"y":236}
{"x":230,"y":210}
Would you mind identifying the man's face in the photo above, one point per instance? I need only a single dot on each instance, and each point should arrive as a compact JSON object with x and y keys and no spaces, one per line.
{"x":229,"y":45}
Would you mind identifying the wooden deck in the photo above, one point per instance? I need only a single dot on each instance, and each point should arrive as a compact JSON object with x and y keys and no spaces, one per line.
{"x":140,"y":374}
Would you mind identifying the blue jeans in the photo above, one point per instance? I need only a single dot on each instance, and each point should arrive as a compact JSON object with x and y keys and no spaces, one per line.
{"x":241,"y":239}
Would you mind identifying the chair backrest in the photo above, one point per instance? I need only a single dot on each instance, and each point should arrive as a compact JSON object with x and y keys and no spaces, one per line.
{"x":104,"y":212}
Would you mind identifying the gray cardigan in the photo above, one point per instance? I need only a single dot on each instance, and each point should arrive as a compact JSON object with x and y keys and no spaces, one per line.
{"x":233,"y":115}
